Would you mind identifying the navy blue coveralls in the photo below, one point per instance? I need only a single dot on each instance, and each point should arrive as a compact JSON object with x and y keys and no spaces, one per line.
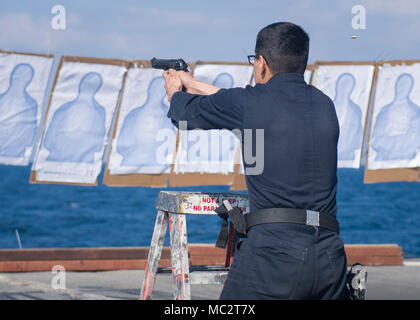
{"x":281,"y":260}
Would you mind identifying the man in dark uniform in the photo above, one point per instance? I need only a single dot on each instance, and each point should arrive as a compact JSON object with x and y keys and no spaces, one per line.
{"x":293,"y":252}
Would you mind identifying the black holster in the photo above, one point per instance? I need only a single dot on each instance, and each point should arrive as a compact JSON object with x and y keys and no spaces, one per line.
{"x":237,"y":219}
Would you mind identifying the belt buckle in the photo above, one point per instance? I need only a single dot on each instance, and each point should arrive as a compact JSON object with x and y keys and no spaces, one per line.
{"x":312,"y":218}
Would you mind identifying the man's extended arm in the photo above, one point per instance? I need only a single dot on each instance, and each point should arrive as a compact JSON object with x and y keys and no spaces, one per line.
{"x":203,"y":106}
{"x":194,"y":86}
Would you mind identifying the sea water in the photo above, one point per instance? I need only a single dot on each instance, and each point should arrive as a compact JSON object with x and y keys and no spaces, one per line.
{"x":51,"y":216}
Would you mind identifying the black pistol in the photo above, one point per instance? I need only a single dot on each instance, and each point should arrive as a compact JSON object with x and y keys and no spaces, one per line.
{"x":166,"y":64}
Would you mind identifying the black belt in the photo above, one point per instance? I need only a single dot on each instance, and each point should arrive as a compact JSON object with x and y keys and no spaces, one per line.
{"x":290,"y":215}
{"x":242,"y":222}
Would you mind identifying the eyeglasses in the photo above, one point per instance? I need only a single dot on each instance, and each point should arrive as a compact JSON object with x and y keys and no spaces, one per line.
{"x":251,"y":59}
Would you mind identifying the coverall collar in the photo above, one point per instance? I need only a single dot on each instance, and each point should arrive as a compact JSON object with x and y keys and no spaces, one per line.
{"x":281,"y":77}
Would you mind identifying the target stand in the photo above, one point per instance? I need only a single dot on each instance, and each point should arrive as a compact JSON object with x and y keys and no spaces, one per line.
{"x":172,"y":208}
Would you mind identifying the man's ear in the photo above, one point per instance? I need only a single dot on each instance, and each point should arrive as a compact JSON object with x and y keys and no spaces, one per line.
{"x":263,"y":67}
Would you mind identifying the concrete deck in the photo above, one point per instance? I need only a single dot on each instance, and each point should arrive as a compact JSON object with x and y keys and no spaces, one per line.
{"x":384,"y":283}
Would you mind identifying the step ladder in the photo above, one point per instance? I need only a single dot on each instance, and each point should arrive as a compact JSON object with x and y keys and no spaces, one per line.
{"x":172,"y":208}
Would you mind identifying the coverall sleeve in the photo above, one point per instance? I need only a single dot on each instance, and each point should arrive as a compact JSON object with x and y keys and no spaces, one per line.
{"x":221,"y":110}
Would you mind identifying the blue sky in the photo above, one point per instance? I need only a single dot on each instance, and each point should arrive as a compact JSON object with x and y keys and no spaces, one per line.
{"x":208,"y":30}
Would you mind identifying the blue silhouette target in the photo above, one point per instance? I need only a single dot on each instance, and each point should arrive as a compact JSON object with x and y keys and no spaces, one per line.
{"x":222,"y":80}
{"x":396,"y":133}
{"x":349,"y":117}
{"x":137,"y":141}
{"x":77,"y":129}
{"x":18,"y":113}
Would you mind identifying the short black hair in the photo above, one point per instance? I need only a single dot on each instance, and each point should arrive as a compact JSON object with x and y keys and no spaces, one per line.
{"x":285,"y":47}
